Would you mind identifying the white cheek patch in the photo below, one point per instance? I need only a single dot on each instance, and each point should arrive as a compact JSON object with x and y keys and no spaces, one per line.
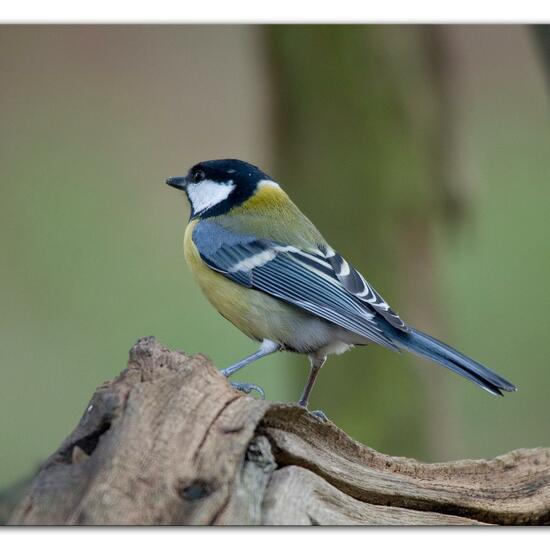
{"x":208,"y":193}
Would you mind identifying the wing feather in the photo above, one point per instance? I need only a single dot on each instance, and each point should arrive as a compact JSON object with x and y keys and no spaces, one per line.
{"x":305,"y":279}
{"x":357,"y":285}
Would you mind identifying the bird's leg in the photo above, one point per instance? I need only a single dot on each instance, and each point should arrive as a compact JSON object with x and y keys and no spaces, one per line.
{"x":316,"y":363}
{"x":267,"y":348}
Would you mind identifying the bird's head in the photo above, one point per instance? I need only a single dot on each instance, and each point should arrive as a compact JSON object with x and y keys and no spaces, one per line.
{"x":214,"y":187}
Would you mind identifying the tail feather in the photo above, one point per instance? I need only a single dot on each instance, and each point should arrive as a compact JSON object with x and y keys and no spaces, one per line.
{"x":425,"y":346}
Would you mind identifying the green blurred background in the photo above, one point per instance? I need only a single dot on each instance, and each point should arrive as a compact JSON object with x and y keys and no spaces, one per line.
{"x":422,"y":153}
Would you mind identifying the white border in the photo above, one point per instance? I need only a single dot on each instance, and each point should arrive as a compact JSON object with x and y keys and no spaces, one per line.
{"x":427,"y":538}
{"x":280,"y":11}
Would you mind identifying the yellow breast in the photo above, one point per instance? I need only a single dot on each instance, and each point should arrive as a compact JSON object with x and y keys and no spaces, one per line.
{"x":256,"y":314}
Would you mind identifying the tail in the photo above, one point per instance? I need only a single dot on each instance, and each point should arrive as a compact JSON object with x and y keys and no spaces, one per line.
{"x":425,"y":346}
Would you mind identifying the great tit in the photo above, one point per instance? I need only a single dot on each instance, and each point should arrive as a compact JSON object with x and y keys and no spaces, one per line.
{"x":266,"y":268}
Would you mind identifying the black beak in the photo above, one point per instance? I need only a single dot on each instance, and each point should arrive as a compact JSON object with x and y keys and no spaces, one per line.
{"x":179,"y":182}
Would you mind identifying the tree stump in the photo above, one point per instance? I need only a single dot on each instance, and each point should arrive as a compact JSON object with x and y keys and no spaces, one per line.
{"x":170,"y":442}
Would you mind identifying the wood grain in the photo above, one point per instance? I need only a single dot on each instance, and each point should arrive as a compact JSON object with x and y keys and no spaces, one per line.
{"x":170,"y":442}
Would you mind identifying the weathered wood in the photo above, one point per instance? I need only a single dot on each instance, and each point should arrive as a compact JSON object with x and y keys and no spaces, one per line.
{"x":170,"y":442}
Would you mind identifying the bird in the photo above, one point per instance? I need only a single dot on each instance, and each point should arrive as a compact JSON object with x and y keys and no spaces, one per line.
{"x":268,"y":270}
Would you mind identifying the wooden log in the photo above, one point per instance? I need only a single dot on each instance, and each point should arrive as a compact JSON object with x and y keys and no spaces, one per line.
{"x":170,"y":442}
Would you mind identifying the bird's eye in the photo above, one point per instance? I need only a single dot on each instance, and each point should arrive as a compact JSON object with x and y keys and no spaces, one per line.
{"x":198,"y":176}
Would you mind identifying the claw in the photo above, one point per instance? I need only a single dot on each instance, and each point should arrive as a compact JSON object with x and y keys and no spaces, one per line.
{"x":248,"y":388}
{"x":319,"y":415}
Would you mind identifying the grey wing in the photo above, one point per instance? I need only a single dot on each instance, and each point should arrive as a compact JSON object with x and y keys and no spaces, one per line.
{"x":357,"y":285}
{"x":305,"y":279}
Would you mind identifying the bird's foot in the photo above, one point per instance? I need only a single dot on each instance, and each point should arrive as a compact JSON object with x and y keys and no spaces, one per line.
{"x":248,"y":388}
{"x":319,"y":415}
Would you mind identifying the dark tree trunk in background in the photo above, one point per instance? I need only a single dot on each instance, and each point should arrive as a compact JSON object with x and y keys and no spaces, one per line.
{"x":541,"y":37}
{"x":365,"y":136}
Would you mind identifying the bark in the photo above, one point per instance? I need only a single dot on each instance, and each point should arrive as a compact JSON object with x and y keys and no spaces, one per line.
{"x":169,"y":441}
